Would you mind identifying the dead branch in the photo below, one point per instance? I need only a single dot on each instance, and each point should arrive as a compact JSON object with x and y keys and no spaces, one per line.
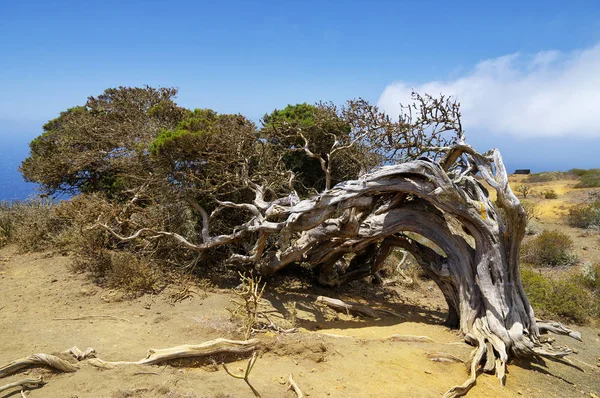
{"x":85,"y":317}
{"x":51,"y":361}
{"x":246,"y":374}
{"x":444,"y":357}
{"x":347,"y":306}
{"x":24,"y":383}
{"x":405,"y":338}
{"x":81,"y":355}
{"x":212,"y":347}
{"x":295,"y":387}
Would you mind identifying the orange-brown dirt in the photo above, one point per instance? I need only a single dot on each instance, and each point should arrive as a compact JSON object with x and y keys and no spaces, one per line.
{"x":332,"y":355}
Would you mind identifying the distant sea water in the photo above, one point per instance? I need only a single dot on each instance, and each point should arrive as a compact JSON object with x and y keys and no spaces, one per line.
{"x":12,"y":185}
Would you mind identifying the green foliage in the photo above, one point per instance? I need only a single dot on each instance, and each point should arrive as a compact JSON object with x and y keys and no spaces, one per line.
{"x":102,"y":145}
{"x":550,"y":248}
{"x":591,"y":275}
{"x":589,"y":179}
{"x":548,"y":176}
{"x":577,"y":172}
{"x":323,"y":129}
{"x":565,"y":298}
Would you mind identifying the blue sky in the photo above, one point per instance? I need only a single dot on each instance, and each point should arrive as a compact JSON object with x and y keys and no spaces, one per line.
{"x":516,"y":66}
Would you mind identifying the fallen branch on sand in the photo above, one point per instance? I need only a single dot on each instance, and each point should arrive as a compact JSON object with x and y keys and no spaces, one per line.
{"x":24,"y":383}
{"x":86,"y":317}
{"x":347,"y":306}
{"x":51,"y":361}
{"x":212,"y":347}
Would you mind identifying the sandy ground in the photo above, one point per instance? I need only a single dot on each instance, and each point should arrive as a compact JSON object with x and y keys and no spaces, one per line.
{"x":44,"y":308}
{"x":40,"y":301}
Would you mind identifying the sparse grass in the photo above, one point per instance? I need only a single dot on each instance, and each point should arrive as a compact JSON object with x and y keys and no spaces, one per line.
{"x":550,"y":248}
{"x":32,"y":225}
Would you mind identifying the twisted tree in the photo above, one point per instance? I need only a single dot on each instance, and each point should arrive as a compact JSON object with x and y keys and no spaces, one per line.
{"x":239,"y":188}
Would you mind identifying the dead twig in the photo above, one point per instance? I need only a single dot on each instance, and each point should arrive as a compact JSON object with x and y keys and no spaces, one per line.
{"x":85,"y":317}
{"x":294,"y":386}
{"x":246,"y":374}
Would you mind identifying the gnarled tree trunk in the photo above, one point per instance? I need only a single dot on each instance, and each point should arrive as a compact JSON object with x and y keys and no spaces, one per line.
{"x":444,"y":202}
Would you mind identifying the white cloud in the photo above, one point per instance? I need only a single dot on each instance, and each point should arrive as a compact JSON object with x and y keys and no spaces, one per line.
{"x":549,"y":94}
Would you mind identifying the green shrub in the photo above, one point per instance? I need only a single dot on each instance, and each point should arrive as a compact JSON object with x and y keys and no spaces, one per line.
{"x":577,"y":172}
{"x":550,"y":194}
{"x":565,"y":298}
{"x":550,"y":248}
{"x":585,"y":215}
{"x":589,"y":179}
{"x":590,"y":275}
{"x":548,"y":176}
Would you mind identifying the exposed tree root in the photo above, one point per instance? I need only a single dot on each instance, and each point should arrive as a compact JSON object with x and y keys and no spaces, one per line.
{"x":557,"y":328}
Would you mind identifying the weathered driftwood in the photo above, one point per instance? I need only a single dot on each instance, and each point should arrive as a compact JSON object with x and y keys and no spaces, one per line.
{"x":51,"y":361}
{"x":347,"y":306}
{"x":32,"y":382}
{"x":212,"y":347}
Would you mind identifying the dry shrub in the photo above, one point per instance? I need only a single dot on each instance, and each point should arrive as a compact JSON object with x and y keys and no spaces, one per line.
{"x":532,"y":210}
{"x":550,"y":194}
{"x":550,"y":248}
{"x":32,"y":225}
{"x":132,"y":273}
{"x":585,"y":215}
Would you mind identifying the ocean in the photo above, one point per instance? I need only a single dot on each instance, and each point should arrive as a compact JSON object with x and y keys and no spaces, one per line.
{"x":12,"y":185}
